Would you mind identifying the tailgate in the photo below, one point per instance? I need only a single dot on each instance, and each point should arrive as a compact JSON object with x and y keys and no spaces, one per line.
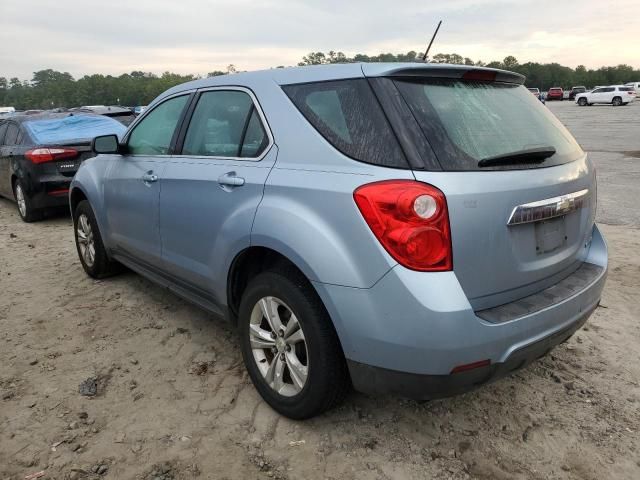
{"x":496,"y":262}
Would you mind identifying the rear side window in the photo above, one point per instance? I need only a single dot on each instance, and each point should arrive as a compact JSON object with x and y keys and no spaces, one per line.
{"x":11,"y":137}
{"x":625,"y":89}
{"x":152,"y":136}
{"x":466,"y":121}
{"x":349,"y":117}
{"x":225,"y":123}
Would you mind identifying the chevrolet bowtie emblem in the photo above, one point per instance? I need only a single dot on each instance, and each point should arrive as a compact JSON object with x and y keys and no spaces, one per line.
{"x":548,"y":208}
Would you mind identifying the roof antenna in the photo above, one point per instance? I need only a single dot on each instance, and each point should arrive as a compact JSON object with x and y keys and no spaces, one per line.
{"x":424,"y":57}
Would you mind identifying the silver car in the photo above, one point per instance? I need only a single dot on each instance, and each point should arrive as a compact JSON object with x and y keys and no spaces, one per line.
{"x":415,"y":229}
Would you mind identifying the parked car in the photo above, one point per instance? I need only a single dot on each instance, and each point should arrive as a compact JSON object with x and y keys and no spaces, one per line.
{"x":616,"y":95}
{"x":322,"y":210}
{"x":121,"y":114}
{"x":7,"y":111}
{"x":537,"y":94}
{"x":555,"y":93}
{"x":39,"y":154}
{"x":576,"y":90}
{"x":634,"y":85}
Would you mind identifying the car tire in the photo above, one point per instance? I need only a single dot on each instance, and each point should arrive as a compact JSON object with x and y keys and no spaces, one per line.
{"x":93,"y":256}
{"x":616,"y":102}
{"x":25,"y":207}
{"x":298,"y":377}
{"x":582,"y":102}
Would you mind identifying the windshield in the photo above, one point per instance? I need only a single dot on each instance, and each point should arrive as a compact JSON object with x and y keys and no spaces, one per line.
{"x":72,"y":127}
{"x":467,"y":121}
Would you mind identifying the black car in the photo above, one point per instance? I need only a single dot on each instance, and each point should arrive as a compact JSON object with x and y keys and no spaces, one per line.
{"x":575,"y":91}
{"x":39,"y":154}
{"x":124,"y":115}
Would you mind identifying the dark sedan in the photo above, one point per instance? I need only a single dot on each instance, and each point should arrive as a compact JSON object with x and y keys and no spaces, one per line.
{"x":121,"y":114}
{"x":39,"y":154}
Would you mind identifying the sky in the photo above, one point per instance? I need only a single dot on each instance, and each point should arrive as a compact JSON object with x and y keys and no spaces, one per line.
{"x":199,"y":36}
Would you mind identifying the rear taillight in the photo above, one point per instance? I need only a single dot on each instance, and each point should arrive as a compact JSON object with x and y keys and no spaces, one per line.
{"x":42,"y":155}
{"x":411,"y":221}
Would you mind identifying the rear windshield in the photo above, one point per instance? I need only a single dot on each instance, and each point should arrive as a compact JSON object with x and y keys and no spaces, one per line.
{"x":348,"y":115}
{"x":466,"y":121}
{"x":71,"y":128}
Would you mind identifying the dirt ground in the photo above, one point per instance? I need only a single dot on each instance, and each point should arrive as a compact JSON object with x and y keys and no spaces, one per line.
{"x":172,"y":399}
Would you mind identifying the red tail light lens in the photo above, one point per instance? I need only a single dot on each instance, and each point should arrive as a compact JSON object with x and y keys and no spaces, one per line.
{"x":411,"y":221}
{"x":42,"y":155}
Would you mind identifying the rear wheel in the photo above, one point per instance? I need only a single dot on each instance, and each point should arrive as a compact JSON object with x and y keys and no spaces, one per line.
{"x":616,"y":102}
{"x":582,"y":101}
{"x":93,"y":255}
{"x":25,"y":207}
{"x":289,"y":346}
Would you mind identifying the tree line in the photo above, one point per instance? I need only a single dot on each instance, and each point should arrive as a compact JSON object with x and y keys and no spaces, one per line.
{"x":53,"y":89}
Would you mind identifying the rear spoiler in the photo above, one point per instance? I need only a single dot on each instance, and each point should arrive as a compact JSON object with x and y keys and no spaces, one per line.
{"x":439,"y":70}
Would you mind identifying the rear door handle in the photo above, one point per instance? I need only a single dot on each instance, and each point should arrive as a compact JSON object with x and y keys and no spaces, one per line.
{"x":230,"y":179}
{"x":149,"y":177}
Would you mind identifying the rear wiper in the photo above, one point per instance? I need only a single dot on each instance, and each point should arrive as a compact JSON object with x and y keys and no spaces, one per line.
{"x":531,"y":155}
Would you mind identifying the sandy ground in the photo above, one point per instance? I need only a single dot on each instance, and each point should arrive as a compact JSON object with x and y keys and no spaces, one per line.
{"x":173,"y":400}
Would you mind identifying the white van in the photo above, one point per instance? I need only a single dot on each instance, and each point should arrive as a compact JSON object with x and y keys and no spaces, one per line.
{"x":6,"y":110}
{"x":634,"y":85}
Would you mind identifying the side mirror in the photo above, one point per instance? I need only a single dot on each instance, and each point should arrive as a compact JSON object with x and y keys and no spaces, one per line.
{"x":105,"y":144}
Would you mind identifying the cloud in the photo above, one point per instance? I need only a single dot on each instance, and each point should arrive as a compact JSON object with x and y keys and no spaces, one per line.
{"x":198,"y":36}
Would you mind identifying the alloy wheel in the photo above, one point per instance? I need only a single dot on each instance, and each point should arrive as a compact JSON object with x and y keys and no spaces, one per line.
{"x":22,"y":203}
{"x":279,"y":346}
{"x":86,"y":242}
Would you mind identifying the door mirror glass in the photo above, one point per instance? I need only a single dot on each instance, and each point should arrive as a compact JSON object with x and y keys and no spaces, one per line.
{"x":105,"y":144}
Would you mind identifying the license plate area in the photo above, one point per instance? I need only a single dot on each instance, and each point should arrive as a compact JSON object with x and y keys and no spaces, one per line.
{"x":550,"y":235}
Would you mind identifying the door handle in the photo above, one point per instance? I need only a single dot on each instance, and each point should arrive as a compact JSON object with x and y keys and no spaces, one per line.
{"x":149,"y":177}
{"x":230,"y":179}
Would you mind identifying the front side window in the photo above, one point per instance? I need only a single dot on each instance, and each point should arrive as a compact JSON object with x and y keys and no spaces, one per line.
{"x":225,"y":123}
{"x":152,"y":136}
{"x":348,"y":115}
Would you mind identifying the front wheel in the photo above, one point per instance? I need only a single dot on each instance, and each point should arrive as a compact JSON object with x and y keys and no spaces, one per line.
{"x":289,"y":346}
{"x":93,"y":255}
{"x":582,"y":102}
{"x":25,"y":208}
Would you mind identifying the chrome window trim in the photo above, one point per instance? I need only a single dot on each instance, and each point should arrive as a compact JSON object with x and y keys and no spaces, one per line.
{"x":261,"y":115}
{"x":548,"y":208}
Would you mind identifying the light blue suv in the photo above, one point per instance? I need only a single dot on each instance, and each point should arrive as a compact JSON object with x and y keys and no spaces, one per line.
{"x":414,"y":229}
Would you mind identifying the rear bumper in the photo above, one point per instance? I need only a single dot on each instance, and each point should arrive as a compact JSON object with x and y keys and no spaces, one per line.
{"x":51,"y":190}
{"x":409,"y":331}
{"x":376,"y":380}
